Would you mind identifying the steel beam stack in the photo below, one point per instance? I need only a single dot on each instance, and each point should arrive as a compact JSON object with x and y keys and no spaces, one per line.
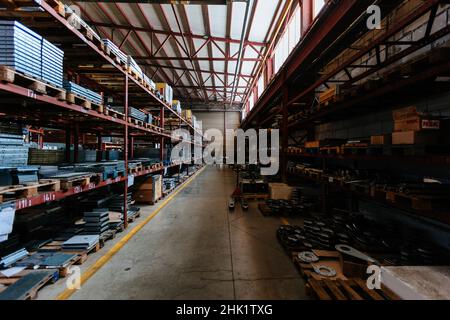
{"x":52,"y":63}
{"x":83,"y":92}
{"x":133,"y":113}
{"x":13,"y":150}
{"x":97,"y":221}
{"x":20,"y":48}
{"x":28,"y":53}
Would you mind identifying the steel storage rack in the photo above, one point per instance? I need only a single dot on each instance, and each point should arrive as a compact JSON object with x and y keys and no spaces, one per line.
{"x":325,"y":81}
{"x":43,"y":102}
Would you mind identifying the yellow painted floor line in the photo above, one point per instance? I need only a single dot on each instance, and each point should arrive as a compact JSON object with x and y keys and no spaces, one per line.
{"x":119,"y":245}
{"x":285,"y":222}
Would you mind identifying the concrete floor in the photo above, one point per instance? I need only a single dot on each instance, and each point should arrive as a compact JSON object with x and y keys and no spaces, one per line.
{"x":195,"y":249}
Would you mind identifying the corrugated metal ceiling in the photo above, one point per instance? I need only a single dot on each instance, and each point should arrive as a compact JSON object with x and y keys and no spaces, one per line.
{"x":192,"y":47}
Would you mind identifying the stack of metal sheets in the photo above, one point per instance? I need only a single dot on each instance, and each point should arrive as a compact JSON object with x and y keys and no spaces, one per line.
{"x":117,"y":205}
{"x":109,"y":169}
{"x":89,"y":155}
{"x":52,"y":64}
{"x":149,"y":118}
{"x":97,"y":221}
{"x":27,"y":174}
{"x":12,"y":258}
{"x":81,"y":242}
{"x":49,"y":260}
{"x":115,"y":49}
{"x":27,"y":52}
{"x":13,"y":150}
{"x":147,"y":161}
{"x":83,"y":92}
{"x":40,"y":156}
{"x":7,"y":176}
{"x":134,"y":66}
{"x":150,"y":82}
{"x":132,"y":112}
{"x":20,"y":48}
{"x":169,"y":183}
{"x":132,"y":164}
{"x":19,"y":175}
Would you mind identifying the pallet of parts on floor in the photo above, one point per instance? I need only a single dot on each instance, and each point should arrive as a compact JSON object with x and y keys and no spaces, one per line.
{"x":56,"y":246}
{"x":26,"y":284}
{"x":331,"y":259}
{"x":350,"y":289}
{"x":133,"y":218}
{"x":59,"y":261}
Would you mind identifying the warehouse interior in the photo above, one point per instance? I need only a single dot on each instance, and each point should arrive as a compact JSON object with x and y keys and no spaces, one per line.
{"x":225,"y":150}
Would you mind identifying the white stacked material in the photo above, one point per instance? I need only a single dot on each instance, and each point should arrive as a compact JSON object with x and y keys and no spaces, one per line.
{"x":417,"y":283}
{"x":115,"y":49}
{"x":28,"y":53}
{"x":52,"y":64}
{"x":20,"y":48}
{"x":134,"y":66}
{"x":83,"y":242}
{"x":83,"y":92}
{"x":150,"y":82}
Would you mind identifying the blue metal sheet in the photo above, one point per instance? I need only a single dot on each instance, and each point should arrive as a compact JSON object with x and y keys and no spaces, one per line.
{"x":25,"y":286}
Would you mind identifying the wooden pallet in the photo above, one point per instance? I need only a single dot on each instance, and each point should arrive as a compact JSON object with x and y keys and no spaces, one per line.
{"x":326,"y":257}
{"x":417,"y":201}
{"x":135,"y":75}
{"x":107,"y":235}
{"x":107,"y":51}
{"x":135,"y":169}
{"x":330,"y":150}
{"x":39,"y":86}
{"x":114,"y":113}
{"x":28,"y":190}
{"x":17,"y":287}
{"x":136,"y":122}
{"x":157,"y":166}
{"x":255,"y":196}
{"x":66,"y":184}
{"x":72,"y":98}
{"x":77,"y":260}
{"x":134,"y":217}
{"x":351,"y":289}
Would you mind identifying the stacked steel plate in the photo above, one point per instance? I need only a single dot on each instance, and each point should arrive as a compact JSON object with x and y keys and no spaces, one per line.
{"x":28,"y":53}
{"x":150,"y":82}
{"x":134,"y":66}
{"x":52,"y":63}
{"x":115,"y":49}
{"x":13,"y":150}
{"x":117,"y":205}
{"x":97,"y":221}
{"x":81,"y":242}
{"x":83,"y":92}
{"x":20,"y":48}
{"x":132,"y":112}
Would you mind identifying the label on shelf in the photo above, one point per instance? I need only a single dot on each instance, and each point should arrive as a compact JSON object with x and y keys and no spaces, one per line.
{"x":130,"y":180}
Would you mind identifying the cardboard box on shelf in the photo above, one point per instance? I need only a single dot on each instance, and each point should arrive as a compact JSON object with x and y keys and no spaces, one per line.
{"x":166,"y":91}
{"x":415,"y":137}
{"x":405,"y":113}
{"x":280,"y":191}
{"x":384,"y":139}
{"x":418,"y":123}
{"x":150,"y":190}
